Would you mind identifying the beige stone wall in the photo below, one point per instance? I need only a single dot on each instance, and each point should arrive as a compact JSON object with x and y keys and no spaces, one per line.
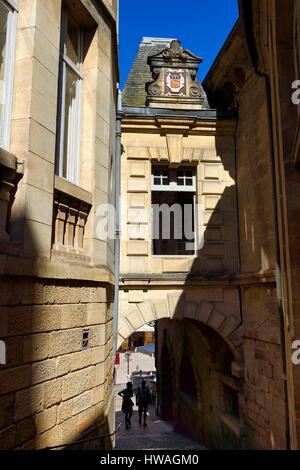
{"x":256,"y":212}
{"x":52,"y":390}
{"x":263,"y":344}
{"x":264,"y":382}
{"x":264,"y":399}
{"x":283,"y":68}
{"x":212,"y":153}
{"x":216,"y":306}
{"x":34,"y":127}
{"x":34,"y":123}
{"x":177,"y":288}
{"x":234,"y":185}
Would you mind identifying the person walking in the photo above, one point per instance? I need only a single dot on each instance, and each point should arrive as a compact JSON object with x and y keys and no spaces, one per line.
{"x":127,"y":404}
{"x":142,"y":401}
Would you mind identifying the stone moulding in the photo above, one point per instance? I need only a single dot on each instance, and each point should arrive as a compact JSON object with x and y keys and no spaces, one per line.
{"x":178,"y":125}
{"x":205,"y":306}
{"x":174,"y":152}
{"x":11,"y":171}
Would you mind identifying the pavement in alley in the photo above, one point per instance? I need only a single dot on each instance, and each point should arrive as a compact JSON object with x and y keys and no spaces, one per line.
{"x":158,"y":434}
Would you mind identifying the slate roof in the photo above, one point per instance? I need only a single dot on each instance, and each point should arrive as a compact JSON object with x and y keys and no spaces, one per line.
{"x":134,"y":92}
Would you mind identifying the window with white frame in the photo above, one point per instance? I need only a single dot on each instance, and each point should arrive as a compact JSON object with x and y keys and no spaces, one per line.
{"x":8,"y":19}
{"x":69,"y":100}
{"x":173,"y":211}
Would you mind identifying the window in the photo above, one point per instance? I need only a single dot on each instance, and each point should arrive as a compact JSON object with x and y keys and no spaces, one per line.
{"x":160,"y":177}
{"x":86,"y":333}
{"x":7,"y":55}
{"x":70,"y":82}
{"x":173,"y":211}
{"x":185,"y":178}
{"x":173,"y":179}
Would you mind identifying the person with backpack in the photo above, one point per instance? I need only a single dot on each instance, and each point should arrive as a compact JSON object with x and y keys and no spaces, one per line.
{"x":142,"y":401}
{"x":127,"y":404}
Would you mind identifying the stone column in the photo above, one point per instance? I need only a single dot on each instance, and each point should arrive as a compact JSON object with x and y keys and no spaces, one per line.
{"x":70,"y":228}
{"x":79,"y":230}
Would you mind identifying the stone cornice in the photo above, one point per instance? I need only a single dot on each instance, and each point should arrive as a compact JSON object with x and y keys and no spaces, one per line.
{"x":185,"y":125}
{"x":54,"y":269}
{"x":187,"y":279}
{"x":9,"y":161}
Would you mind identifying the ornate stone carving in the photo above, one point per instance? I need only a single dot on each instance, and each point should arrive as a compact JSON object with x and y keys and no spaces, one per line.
{"x":195,"y":91}
{"x":154,"y":90}
{"x":70,"y":218}
{"x":174,"y":72}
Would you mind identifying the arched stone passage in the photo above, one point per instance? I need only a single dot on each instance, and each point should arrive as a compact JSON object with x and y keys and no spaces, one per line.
{"x":205,"y":391}
{"x":216,"y":307}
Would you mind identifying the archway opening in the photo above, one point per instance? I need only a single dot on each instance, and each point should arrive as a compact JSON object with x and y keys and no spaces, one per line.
{"x":194,"y":365}
{"x":135,"y":359}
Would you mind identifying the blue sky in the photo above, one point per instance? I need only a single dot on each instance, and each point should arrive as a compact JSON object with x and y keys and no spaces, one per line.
{"x":201,"y":25}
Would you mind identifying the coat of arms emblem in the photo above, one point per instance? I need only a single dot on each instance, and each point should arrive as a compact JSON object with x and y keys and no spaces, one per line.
{"x":175,"y":81}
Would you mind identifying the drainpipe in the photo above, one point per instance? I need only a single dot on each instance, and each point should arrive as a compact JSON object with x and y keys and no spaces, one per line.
{"x":246,"y":11}
{"x":118,"y":154}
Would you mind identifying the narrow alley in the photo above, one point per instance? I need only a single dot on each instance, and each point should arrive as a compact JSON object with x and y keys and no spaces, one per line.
{"x":149,"y":229}
{"x":158,"y":434}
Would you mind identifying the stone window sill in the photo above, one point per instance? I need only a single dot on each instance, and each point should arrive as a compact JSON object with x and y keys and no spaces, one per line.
{"x":63,"y":185}
{"x":71,"y":255}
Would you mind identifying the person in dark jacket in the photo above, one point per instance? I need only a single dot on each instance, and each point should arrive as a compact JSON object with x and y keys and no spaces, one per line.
{"x":142,"y":401}
{"x":127,"y":404}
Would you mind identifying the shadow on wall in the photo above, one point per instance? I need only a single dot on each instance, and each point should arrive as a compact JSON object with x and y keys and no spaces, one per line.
{"x":197,"y":347}
{"x":227,"y":350}
{"x":52,"y":390}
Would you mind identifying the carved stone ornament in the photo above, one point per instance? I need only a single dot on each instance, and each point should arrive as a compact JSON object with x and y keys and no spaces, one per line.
{"x":174,"y":71}
{"x":11,"y":171}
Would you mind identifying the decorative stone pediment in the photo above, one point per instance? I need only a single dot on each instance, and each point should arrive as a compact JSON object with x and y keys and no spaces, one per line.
{"x":174,"y":72}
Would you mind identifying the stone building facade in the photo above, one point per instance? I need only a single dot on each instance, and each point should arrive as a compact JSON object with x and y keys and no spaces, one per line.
{"x":177,"y":150}
{"x":272,"y":34}
{"x":59,"y":70}
{"x":262,"y":398}
{"x":220,"y":300}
